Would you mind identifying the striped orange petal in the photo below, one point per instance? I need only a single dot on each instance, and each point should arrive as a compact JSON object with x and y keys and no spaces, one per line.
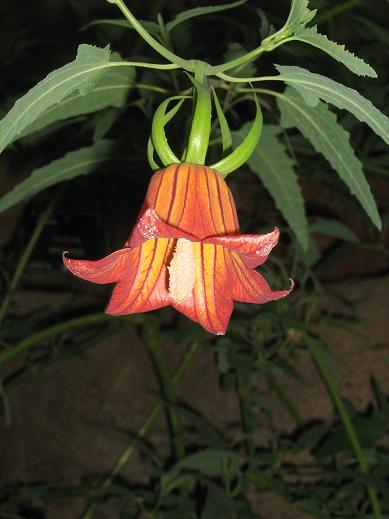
{"x":185,"y":250}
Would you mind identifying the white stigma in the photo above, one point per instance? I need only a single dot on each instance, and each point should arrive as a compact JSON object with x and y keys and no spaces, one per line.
{"x":182,"y":271}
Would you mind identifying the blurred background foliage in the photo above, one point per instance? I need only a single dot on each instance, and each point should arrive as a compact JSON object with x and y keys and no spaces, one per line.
{"x":218,"y":474}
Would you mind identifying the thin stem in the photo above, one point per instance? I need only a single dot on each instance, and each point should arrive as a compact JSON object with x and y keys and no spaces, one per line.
{"x":267,"y":45}
{"x":142,"y":64}
{"x":242,"y":60}
{"x":246,"y":416}
{"x":144,"y":428}
{"x":347,"y":423}
{"x":283,"y":398}
{"x":48,"y":333}
{"x":145,"y":86}
{"x":233,"y":79}
{"x":26,"y":254}
{"x":152,"y":340}
{"x":170,"y":56}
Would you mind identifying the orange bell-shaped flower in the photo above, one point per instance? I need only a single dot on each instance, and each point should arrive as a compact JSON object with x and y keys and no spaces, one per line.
{"x":185,"y":251}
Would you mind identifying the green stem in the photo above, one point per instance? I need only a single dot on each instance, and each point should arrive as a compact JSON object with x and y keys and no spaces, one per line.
{"x":201,"y":125}
{"x":246,"y":416}
{"x":267,"y":45}
{"x":283,"y":398}
{"x":347,"y":423}
{"x":158,"y":66}
{"x":26,"y":254}
{"x":233,"y":79}
{"x":170,"y":56}
{"x":153,"y":343}
{"x":48,"y":333}
{"x":154,"y":412}
{"x":242,"y":60}
{"x":144,"y":86}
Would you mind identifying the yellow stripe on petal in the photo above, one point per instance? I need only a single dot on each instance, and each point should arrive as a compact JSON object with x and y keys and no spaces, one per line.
{"x":145,"y":288}
{"x":210,"y":304}
{"x":247,"y":285}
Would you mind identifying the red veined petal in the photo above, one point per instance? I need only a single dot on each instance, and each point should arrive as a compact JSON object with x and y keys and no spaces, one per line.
{"x":150,"y":226}
{"x":253,"y":248}
{"x":145,"y":286}
{"x":248,"y":286}
{"x":192,"y":198}
{"x":107,"y":270}
{"x":210,"y":304}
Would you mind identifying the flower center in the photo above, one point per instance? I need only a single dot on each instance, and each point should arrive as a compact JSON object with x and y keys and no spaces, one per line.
{"x":182,"y":271}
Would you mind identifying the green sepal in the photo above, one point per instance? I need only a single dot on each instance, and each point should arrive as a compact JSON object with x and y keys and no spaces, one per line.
{"x":150,"y":155}
{"x":244,"y":151}
{"x":224,"y":128}
{"x":159,"y":140}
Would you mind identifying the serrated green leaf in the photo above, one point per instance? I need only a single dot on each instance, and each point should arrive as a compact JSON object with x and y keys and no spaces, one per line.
{"x":80,"y":75}
{"x":299,"y":15}
{"x":319,"y":125}
{"x":80,"y":162}
{"x":200,"y":11}
{"x":111,"y":90}
{"x":335,"y":50}
{"x":314,"y":87}
{"x":274,"y":167}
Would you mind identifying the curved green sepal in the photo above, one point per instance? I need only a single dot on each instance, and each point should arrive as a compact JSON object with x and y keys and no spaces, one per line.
{"x":243,"y":152}
{"x":224,"y":128}
{"x":201,"y":124}
{"x":150,"y":156}
{"x":161,"y":118}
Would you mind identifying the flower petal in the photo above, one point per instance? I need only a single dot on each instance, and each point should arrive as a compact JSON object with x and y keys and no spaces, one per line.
{"x":145,"y":286}
{"x":210,"y":304}
{"x":247,"y":285}
{"x":150,"y":226}
{"x":193,"y":198}
{"x":107,"y":270}
{"x":253,"y":248}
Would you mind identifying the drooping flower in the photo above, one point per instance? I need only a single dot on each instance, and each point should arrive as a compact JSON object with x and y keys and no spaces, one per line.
{"x":185,"y":251}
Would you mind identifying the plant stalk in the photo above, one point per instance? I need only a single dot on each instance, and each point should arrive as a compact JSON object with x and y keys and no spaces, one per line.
{"x":37,"y":338}
{"x":144,"y":428}
{"x":170,"y":56}
{"x":25,"y":256}
{"x":152,"y":341}
{"x":201,"y":124}
{"x":347,"y":423}
{"x":246,"y":416}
